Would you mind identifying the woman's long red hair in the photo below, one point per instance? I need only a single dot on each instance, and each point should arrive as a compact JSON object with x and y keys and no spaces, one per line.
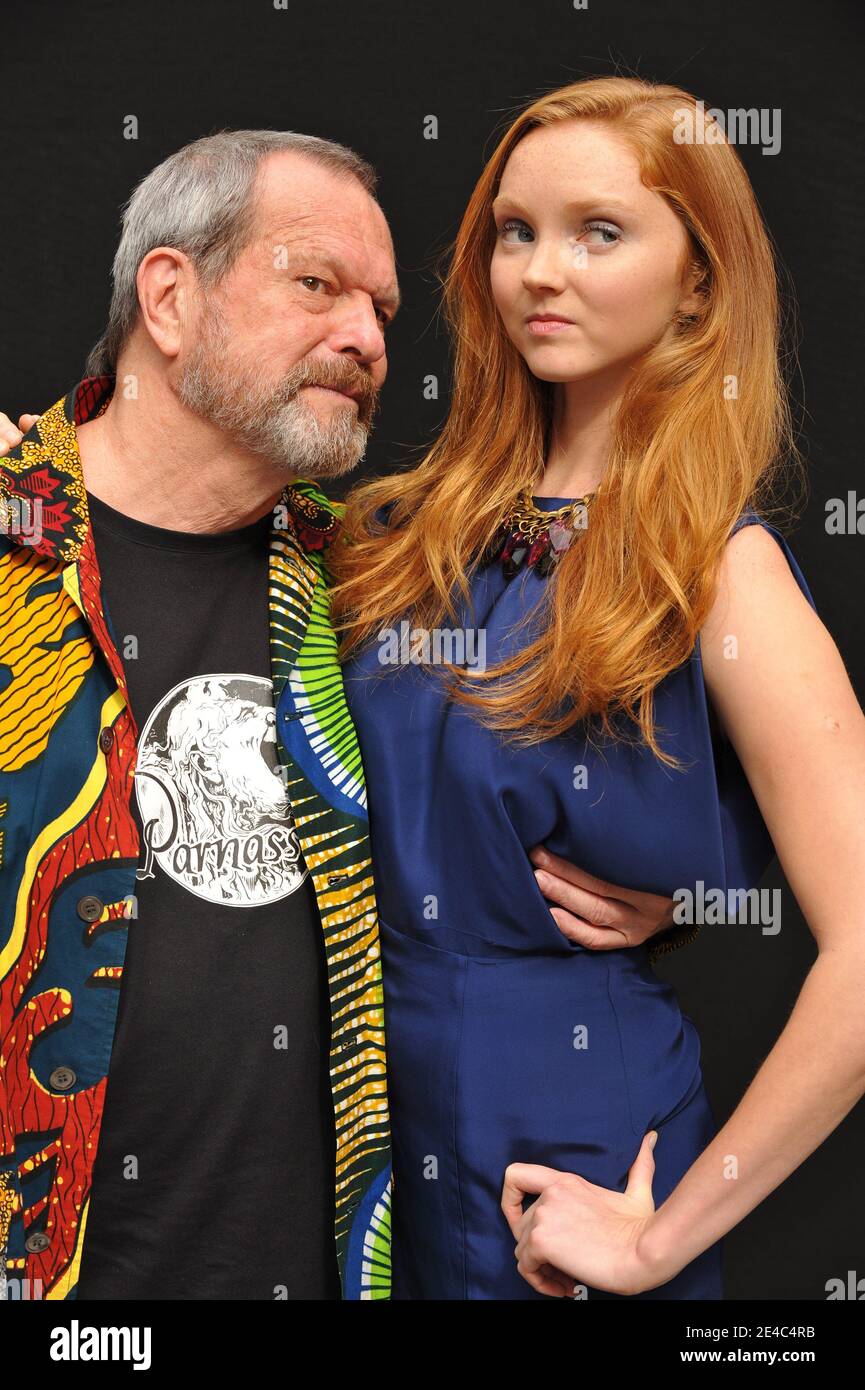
{"x":703,"y":431}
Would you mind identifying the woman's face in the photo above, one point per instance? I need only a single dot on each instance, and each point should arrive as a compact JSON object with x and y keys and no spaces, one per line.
{"x":580,"y":239}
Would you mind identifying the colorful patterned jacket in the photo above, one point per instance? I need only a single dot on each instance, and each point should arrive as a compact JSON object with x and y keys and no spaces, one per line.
{"x":69,"y":851}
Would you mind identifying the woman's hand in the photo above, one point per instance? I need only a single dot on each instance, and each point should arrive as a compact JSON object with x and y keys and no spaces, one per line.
{"x":596,"y":914}
{"x":578,"y":1232}
{"x":10,"y":434}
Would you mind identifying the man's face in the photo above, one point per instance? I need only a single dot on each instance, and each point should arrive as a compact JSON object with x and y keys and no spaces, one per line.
{"x":297,"y":323}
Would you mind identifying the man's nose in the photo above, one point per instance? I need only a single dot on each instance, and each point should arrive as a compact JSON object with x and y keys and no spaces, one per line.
{"x":360,"y":333}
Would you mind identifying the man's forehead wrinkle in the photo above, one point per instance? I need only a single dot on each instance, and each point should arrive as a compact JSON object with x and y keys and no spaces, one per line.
{"x":307,"y":226}
{"x":298,"y":223}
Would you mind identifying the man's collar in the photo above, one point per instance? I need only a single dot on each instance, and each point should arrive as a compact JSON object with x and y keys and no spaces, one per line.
{"x":42,"y":484}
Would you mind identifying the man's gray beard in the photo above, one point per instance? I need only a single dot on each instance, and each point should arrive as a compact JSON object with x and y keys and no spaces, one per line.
{"x":270,"y":420}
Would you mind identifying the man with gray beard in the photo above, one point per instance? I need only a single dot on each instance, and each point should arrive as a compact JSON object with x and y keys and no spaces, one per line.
{"x":194,"y":1104}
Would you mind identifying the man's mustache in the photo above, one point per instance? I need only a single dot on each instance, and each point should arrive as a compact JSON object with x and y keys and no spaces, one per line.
{"x":348,"y":378}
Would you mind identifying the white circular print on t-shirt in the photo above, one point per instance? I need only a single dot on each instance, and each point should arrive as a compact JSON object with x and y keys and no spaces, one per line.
{"x":214,"y":806}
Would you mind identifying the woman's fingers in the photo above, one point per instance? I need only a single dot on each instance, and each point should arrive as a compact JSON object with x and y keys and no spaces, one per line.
{"x":521,"y":1180}
{"x":10,"y":435}
{"x":546,"y":1279}
{"x":562,"y":1285}
{"x":642,"y":1172}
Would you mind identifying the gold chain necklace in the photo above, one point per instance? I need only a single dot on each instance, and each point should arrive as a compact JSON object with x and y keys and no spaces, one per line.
{"x":530,"y":536}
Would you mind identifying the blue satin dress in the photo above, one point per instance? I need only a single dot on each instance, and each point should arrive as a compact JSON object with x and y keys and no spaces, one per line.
{"x":507,"y":1041}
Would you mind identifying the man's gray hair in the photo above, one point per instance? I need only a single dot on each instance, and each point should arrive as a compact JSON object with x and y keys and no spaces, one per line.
{"x":200,"y":200}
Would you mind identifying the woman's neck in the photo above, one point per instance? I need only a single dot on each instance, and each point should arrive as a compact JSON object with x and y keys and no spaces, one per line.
{"x":579,"y":441}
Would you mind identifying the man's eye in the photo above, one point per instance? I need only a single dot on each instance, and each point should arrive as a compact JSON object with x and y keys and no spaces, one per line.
{"x":312,"y":280}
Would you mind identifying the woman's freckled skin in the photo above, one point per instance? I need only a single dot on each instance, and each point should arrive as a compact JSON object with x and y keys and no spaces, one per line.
{"x":619,"y":278}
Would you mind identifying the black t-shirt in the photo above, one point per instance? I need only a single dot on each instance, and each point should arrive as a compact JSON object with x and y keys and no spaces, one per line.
{"x":214,"y":1174}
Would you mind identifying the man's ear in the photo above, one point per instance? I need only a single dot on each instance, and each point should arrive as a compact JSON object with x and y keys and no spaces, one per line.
{"x":166,"y":284}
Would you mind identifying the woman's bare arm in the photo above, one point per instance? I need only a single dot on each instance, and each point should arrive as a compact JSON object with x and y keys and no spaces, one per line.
{"x":784,"y":698}
{"x":781,"y":691}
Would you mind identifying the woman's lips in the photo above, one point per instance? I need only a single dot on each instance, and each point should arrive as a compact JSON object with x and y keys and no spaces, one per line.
{"x":548,"y":325}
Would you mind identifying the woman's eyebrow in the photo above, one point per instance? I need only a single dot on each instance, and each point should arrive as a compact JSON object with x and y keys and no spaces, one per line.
{"x":575,"y":205}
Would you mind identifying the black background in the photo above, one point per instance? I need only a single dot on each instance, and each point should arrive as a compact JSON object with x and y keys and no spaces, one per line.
{"x":367,"y":74}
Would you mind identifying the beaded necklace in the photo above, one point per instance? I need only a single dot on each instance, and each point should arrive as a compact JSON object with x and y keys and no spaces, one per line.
{"x":530,"y":536}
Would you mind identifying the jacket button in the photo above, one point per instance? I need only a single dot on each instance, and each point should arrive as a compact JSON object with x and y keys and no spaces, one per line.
{"x":62,"y":1078}
{"x":89,"y":908}
{"x":106,"y":740}
{"x":38,"y":1241}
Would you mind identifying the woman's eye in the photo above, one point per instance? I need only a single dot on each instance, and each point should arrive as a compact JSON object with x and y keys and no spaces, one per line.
{"x":513,"y":224}
{"x":607,"y":235}
{"x":605,"y":230}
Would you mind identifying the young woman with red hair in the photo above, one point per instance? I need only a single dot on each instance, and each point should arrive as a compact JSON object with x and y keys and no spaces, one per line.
{"x":657,"y":701}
